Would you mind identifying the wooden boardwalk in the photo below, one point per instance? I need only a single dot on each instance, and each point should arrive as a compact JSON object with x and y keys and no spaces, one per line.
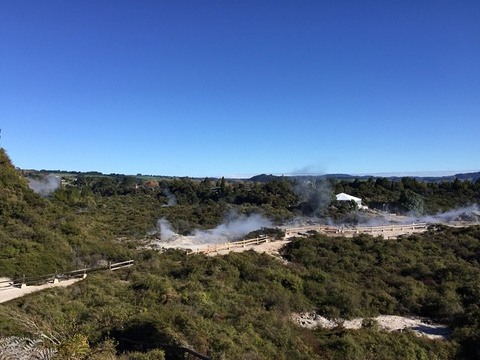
{"x":387,"y":231}
{"x":232,"y":245}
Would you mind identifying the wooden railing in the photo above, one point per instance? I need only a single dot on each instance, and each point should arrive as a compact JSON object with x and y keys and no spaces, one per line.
{"x":120,"y":265}
{"x":385,"y":228}
{"x":357,"y":230}
{"x":303,"y":229}
{"x":43,"y":279}
{"x":320,"y":228}
{"x":231,"y":245}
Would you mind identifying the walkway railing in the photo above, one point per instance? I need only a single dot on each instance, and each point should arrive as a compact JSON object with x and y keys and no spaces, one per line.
{"x":231,"y":245}
{"x":357,"y":230}
{"x":385,"y":230}
{"x":43,"y":279}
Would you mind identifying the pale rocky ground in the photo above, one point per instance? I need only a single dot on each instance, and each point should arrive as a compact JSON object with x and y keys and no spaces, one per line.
{"x":390,"y":323}
{"x":8,"y":293}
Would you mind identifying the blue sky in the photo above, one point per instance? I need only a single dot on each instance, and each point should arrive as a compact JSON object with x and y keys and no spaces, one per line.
{"x":215,"y":88}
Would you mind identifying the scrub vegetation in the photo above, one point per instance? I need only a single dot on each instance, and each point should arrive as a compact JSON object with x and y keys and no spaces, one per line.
{"x":235,"y":306}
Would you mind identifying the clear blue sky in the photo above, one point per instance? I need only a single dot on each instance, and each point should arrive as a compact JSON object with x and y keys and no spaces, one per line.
{"x":241,"y":87}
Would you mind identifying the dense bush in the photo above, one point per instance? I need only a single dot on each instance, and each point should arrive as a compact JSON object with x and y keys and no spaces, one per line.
{"x":237,"y":306}
{"x":409,"y":195}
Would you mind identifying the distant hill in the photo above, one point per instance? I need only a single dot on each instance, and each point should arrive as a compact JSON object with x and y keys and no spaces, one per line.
{"x":264,"y":178}
{"x":267,"y":178}
{"x":474,"y":176}
{"x":467,"y":176}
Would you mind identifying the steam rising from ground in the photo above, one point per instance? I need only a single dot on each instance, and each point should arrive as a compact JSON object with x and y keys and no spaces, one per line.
{"x":164,"y":228}
{"x":233,"y":228}
{"x":45,"y":186}
{"x":315,"y":194}
{"x":172,"y":200}
{"x":468,"y":213}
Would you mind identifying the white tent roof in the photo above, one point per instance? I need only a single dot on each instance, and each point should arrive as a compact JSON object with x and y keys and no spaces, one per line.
{"x":346,"y":197}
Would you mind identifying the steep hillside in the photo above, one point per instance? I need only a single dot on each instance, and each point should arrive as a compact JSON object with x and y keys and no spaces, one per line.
{"x":39,"y":236}
{"x":29,"y":238}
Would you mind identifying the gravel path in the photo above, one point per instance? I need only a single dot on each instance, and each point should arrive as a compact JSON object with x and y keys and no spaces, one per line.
{"x":9,"y":293}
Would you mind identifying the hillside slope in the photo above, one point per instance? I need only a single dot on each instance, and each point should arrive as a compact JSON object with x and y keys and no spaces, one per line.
{"x":38,"y":236}
{"x":29,"y":238}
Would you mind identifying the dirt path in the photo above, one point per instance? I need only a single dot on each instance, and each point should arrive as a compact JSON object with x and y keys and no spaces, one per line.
{"x":9,"y":293}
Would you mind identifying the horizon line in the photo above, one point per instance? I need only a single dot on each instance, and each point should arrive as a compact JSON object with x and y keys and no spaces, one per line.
{"x":439,"y":173}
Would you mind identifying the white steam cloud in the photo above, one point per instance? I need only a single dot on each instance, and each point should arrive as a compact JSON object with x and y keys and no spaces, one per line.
{"x":172,"y":200}
{"x":315,"y":194}
{"x":468,"y":213}
{"x":233,"y":228}
{"x":164,"y":228}
{"x":45,"y":186}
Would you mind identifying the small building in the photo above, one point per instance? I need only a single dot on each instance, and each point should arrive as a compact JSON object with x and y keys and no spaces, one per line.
{"x":346,"y":197}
